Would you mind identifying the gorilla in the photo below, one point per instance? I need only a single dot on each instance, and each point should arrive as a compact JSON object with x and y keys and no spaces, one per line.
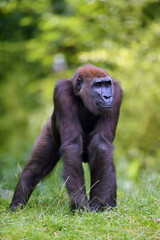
{"x":81,"y":129}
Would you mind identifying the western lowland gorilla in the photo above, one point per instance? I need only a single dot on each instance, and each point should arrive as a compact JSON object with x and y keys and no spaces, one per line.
{"x":81,"y":129}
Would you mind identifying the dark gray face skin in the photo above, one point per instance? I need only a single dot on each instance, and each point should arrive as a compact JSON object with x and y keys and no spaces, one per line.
{"x":102,"y":91}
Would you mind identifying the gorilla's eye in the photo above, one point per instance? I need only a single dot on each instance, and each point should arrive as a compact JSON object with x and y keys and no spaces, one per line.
{"x":98,"y":84}
{"x":108,"y":83}
{"x":79,"y":83}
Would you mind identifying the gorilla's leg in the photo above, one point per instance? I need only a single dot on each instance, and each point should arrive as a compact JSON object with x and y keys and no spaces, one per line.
{"x":43,"y":159}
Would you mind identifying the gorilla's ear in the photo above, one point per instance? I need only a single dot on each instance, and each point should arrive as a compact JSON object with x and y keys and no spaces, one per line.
{"x":79,"y":84}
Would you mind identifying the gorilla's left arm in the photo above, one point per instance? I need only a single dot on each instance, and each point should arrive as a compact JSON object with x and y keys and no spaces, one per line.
{"x":103,"y":179}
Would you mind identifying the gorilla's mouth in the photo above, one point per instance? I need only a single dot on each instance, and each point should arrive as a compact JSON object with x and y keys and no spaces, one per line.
{"x":104,"y":107}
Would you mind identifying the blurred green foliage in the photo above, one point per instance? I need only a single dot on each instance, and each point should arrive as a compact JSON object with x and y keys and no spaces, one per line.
{"x":37,"y":36}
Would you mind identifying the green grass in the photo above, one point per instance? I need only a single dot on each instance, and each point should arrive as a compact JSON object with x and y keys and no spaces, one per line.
{"x":48,"y":215}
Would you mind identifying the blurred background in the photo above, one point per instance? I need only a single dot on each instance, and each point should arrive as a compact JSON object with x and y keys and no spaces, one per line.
{"x":43,"y":41}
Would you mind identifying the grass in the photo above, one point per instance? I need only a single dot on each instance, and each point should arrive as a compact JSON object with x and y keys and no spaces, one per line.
{"x":48,"y":216}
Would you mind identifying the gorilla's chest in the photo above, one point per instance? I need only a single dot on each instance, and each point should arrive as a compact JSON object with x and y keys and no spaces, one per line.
{"x":87,"y":120}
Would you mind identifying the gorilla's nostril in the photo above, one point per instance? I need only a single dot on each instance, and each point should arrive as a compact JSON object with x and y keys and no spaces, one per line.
{"x":106,"y":97}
